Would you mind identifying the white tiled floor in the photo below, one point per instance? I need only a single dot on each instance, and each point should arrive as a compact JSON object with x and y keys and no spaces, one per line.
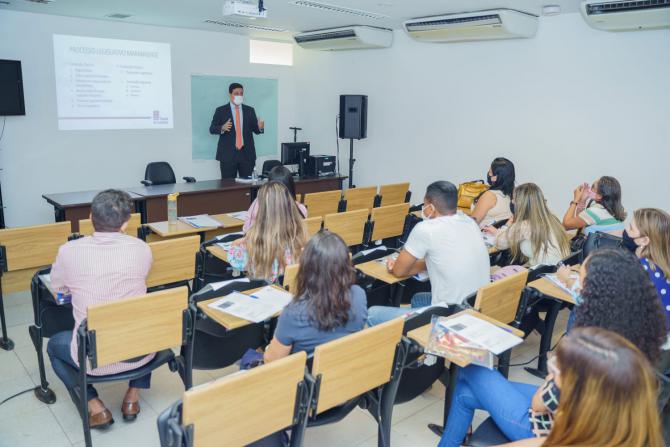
{"x":26,"y":422}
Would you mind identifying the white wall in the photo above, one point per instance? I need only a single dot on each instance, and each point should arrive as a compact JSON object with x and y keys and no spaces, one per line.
{"x":37,"y":158}
{"x":567,"y":106}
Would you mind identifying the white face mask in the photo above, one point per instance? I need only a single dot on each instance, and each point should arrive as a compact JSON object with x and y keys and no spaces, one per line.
{"x":237,"y":100}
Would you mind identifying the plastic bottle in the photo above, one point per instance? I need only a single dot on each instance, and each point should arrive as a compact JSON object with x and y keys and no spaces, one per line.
{"x":172,"y":208}
{"x":254,"y":175}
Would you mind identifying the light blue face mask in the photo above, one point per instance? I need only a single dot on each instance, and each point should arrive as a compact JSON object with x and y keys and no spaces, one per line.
{"x":576,"y":292}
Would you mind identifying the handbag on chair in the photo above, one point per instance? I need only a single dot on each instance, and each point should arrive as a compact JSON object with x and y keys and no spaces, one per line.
{"x":469,"y":192}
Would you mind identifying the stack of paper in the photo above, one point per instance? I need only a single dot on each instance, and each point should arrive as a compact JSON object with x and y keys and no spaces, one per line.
{"x":201,"y":221}
{"x":257,"y":307}
{"x":468,"y":338}
{"x":240,"y":215}
{"x":554,"y":279}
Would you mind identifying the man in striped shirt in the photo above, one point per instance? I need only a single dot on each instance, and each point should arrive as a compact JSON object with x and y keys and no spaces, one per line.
{"x":107,"y":266}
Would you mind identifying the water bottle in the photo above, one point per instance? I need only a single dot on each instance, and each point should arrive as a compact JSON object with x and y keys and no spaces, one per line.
{"x":172,"y":208}
{"x":254,"y":175}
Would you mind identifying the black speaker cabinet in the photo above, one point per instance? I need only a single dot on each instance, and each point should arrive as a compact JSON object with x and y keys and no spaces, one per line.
{"x":353,"y":116}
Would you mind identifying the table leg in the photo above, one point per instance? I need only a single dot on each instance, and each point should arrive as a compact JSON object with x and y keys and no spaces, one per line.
{"x":5,"y":342}
{"x":42,"y":391}
{"x":545,"y":340}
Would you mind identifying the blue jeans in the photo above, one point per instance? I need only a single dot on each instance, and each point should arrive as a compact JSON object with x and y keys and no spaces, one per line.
{"x":67,"y":370}
{"x":480,"y":388}
{"x":382,"y":314}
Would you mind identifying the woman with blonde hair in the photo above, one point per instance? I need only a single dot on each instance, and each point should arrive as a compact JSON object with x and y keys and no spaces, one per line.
{"x":648,"y":236}
{"x":536,"y":236}
{"x":276,"y":238}
{"x":608,"y":392}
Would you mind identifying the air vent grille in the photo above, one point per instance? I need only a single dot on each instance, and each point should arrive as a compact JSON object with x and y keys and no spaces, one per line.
{"x":338,"y":9}
{"x":613,"y":7}
{"x":118,"y":15}
{"x":344,"y":34}
{"x":44,"y":2}
{"x":244,"y":26}
{"x":489,"y":19}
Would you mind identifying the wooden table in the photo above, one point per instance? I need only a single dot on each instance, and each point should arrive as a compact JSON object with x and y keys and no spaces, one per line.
{"x":204,"y":197}
{"x":218,"y":252}
{"x":420,"y":335}
{"x":75,"y":206}
{"x":178,"y":229}
{"x":228,"y":321}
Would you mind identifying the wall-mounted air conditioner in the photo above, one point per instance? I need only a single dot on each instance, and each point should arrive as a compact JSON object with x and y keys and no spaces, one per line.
{"x":626,"y":15}
{"x":478,"y":25}
{"x":345,"y":38}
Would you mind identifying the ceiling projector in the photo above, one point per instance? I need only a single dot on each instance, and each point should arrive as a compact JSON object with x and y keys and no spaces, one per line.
{"x":245,"y":9}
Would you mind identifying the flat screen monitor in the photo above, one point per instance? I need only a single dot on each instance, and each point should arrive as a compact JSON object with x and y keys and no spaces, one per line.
{"x":290,"y":153}
{"x":11,"y":88}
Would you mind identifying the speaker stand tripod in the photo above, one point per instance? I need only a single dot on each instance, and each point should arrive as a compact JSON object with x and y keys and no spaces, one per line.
{"x":352,"y":160}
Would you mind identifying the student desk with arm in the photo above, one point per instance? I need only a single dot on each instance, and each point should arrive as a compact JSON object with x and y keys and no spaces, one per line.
{"x":421,"y":335}
{"x":228,"y":321}
{"x":165,"y":230}
{"x":378,"y":270}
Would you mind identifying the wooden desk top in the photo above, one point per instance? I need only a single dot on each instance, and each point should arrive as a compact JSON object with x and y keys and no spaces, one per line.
{"x":378,"y":270}
{"x":548,"y":288}
{"x":421,"y":334}
{"x":80,"y":198}
{"x":230,"y":322}
{"x":164,"y":229}
{"x":189,"y":188}
{"x":218,"y":252}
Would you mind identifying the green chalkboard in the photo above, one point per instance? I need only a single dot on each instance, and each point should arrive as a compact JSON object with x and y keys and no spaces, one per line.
{"x":209,"y":92}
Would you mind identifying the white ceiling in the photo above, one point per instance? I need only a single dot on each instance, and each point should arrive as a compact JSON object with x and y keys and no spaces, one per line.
{"x":281,"y":13}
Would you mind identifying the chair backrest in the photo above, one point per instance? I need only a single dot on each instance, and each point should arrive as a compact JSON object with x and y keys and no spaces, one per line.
{"x":360,"y":198}
{"x":242,"y":408}
{"x":159,"y":173}
{"x":313,"y":225}
{"x":322,"y":203}
{"x":389,"y":221}
{"x":174,"y":260}
{"x":135,"y":222}
{"x":137,"y":326}
{"x":355,"y":364}
{"x":350,"y":226}
{"x":290,"y":275}
{"x":500,"y":299}
{"x":393,"y":194}
{"x":268,"y":165}
{"x":35,"y":246}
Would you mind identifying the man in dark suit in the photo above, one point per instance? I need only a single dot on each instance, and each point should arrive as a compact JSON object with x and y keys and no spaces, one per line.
{"x":236,"y":125}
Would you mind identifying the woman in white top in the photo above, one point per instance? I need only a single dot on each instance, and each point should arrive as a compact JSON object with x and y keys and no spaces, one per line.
{"x":494,"y":205}
{"x":536,"y":235}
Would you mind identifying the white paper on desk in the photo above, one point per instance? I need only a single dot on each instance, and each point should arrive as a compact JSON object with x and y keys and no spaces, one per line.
{"x":218,"y":285}
{"x":245,"y":180}
{"x":225,"y":246}
{"x":262,"y":305}
{"x":227,"y":235}
{"x":489,"y":240}
{"x":239,"y":215}
{"x":201,"y":221}
{"x":370,"y":250}
{"x":557,"y":282}
{"x":484,"y":334}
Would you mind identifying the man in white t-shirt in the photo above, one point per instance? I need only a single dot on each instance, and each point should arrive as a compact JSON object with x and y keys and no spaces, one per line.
{"x":449,"y":245}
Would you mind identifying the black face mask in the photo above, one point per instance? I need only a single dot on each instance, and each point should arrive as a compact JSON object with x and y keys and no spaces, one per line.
{"x":629,"y":242}
{"x":488,"y":179}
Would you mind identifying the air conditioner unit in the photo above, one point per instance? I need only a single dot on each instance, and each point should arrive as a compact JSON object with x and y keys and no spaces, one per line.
{"x":345,"y":38}
{"x":478,"y":25}
{"x":626,"y":15}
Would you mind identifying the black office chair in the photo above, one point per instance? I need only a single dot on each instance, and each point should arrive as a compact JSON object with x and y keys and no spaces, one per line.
{"x":268,"y":165}
{"x":161,"y":173}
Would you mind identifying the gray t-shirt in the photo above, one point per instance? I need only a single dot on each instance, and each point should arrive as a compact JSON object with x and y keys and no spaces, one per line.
{"x":295,"y":328}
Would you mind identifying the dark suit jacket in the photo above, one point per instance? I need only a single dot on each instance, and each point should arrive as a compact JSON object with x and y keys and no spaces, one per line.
{"x":225,"y":150}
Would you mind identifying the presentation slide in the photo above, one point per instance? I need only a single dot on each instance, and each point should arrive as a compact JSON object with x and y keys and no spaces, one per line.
{"x":112,"y":84}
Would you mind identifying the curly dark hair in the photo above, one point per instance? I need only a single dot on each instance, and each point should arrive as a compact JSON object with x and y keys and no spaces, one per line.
{"x":619,"y":296}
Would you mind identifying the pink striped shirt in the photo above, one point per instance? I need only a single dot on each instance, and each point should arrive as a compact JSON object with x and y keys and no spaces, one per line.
{"x":99,"y":269}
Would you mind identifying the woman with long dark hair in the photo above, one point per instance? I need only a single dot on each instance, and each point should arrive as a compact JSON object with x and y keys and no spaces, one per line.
{"x":494,"y":204}
{"x":327,"y":304}
{"x":603,"y":211}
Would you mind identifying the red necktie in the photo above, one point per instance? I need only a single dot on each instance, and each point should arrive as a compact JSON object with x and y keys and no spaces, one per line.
{"x":238,"y":129}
